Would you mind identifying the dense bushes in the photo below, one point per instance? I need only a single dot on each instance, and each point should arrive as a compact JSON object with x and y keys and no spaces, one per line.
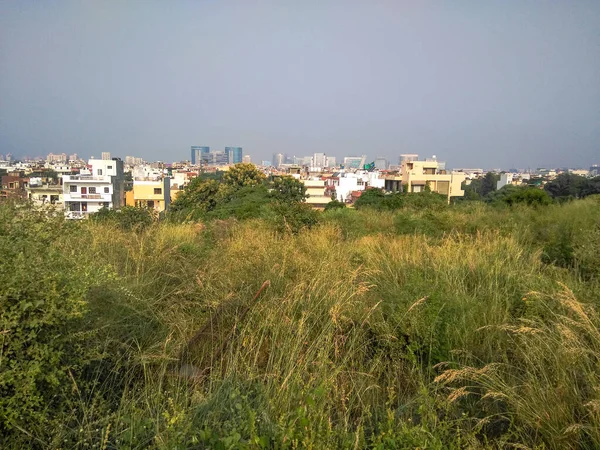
{"x":44,"y":343}
{"x":444,"y":326}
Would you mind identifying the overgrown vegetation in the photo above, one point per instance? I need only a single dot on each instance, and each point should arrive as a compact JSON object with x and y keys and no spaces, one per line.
{"x":419,"y":325}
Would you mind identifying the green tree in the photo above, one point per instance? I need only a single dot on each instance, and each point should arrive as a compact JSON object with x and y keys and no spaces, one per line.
{"x":370,"y":198}
{"x":489,"y":183}
{"x":243,"y":175}
{"x":567,"y":185}
{"x":199,"y":195}
{"x":288,"y":189}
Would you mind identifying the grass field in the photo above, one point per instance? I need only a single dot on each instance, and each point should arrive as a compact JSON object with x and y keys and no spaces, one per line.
{"x":468,"y":326}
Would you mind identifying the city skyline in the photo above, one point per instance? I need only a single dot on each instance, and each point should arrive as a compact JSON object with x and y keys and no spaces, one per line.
{"x":494,"y":85}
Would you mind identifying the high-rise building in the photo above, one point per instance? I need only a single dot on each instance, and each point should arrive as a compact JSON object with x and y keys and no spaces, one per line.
{"x":200,"y":153}
{"x":318,"y":160}
{"x":220,"y":158}
{"x":381,"y":163}
{"x":106,"y":156}
{"x":354,"y":162}
{"x":330,"y":161}
{"x":247,"y":159}
{"x":234,"y":155}
{"x":278,"y":159}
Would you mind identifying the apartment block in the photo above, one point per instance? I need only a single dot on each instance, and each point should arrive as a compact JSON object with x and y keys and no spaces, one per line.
{"x":101,"y":187}
{"x":152,"y":194}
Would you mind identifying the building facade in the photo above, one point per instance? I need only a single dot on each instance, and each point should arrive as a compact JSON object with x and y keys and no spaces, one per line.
{"x":234,"y":155}
{"x":102,"y":187}
{"x":200,"y":154}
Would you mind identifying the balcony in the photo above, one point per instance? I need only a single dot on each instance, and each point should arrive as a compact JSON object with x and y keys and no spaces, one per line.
{"x":89,"y":197}
{"x":100,"y":178}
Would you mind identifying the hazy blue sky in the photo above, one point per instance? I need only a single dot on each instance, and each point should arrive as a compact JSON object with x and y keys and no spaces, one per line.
{"x":477,"y":83}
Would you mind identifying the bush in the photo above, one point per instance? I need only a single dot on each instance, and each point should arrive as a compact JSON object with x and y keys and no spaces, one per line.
{"x":128,"y":217}
{"x":334,"y":204}
{"x":42,"y":307}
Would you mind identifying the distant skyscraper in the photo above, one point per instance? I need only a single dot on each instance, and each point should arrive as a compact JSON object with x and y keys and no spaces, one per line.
{"x":234,"y":155}
{"x":247,"y":159}
{"x":318,"y":160}
{"x":278,"y":159}
{"x":106,"y":156}
{"x":354,"y":162}
{"x":331,"y":161}
{"x":381,"y":163}
{"x":200,"y":153}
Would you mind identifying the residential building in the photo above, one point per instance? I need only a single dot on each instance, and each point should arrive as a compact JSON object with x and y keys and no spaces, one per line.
{"x":200,"y":154}
{"x":56,"y":158}
{"x":44,"y":194}
{"x":234,"y":155}
{"x":316,"y":191}
{"x":415,"y":175}
{"x":505,"y":178}
{"x":152,"y":194}
{"x":102,"y":186}
{"x":14,"y":186}
{"x":106,"y":156}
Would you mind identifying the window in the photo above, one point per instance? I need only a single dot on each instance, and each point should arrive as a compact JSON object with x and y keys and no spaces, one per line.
{"x":157,"y":191}
{"x":73,"y":188}
{"x":109,"y":167}
{"x":99,"y":171}
{"x":92,"y":189}
{"x":106,"y":190}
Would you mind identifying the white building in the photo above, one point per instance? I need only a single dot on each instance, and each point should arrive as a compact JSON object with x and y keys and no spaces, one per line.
{"x":505,"y":178}
{"x":345,"y":183}
{"x":102,"y":187}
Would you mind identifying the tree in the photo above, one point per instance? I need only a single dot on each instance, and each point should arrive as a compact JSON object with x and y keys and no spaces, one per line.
{"x":489,"y":183}
{"x":370,"y":198}
{"x":199,"y":195}
{"x":288,"y":189}
{"x":513,"y":195}
{"x":567,"y":185}
{"x":243,"y":175}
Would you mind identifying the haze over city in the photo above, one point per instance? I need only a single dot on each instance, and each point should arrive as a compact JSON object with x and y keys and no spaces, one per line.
{"x":484,"y":84}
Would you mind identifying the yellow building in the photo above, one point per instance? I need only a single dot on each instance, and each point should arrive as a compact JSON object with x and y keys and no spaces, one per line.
{"x":415,"y":175}
{"x":315,"y":189}
{"x":153,"y":194}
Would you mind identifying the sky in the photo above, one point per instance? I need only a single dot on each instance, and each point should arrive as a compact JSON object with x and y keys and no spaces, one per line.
{"x":511,"y":83}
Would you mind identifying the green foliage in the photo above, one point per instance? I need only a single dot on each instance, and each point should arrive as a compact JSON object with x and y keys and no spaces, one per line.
{"x":489,"y":183}
{"x":288,"y":189}
{"x":568,"y":186}
{"x":376,"y":199}
{"x":334,"y":204}
{"x":246,"y":203}
{"x":292,"y":217}
{"x":243,"y":175}
{"x":42,"y":306}
{"x":421,"y":325}
{"x":514,"y":195}
{"x":128,"y":217}
{"x":198,"y":197}
{"x":370,"y":198}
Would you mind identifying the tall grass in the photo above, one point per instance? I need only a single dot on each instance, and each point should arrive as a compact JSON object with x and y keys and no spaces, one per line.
{"x":436,"y":329}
